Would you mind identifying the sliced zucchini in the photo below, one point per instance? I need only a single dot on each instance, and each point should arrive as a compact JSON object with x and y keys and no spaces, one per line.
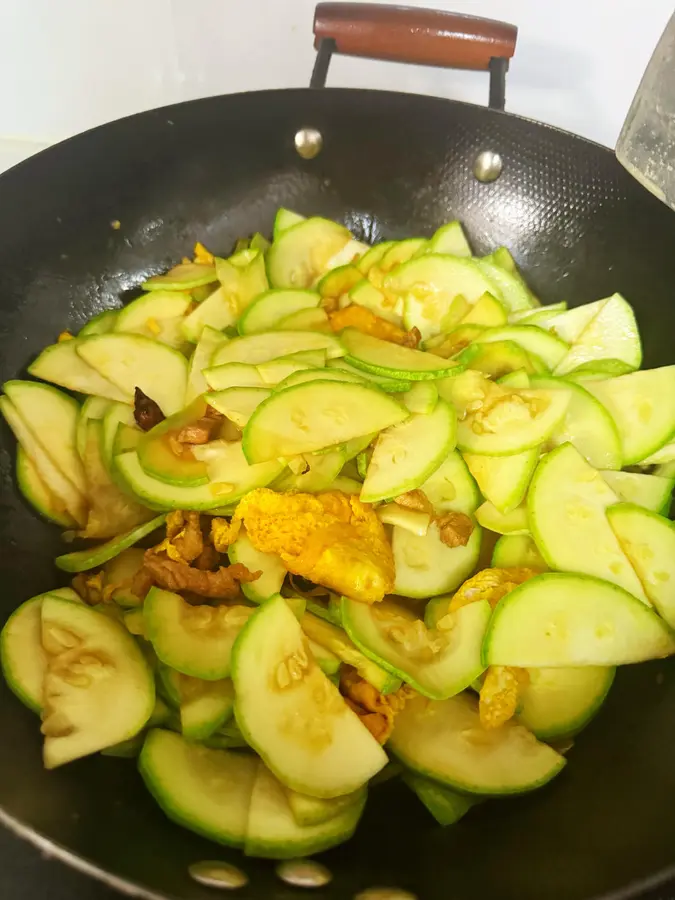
{"x":498,"y":359}
{"x":445,"y":805}
{"x":516,"y":551}
{"x":587,"y":424}
{"x":665,"y":454}
{"x":378,"y":357}
{"x":274,"y":833}
{"x":648,"y":540}
{"x":450,"y":239}
{"x":131,"y":361}
{"x":508,"y":285}
{"x":217,"y":311}
{"x":514,"y":422}
{"x":158,"y":315}
{"x":183,"y":277}
{"x":272,"y":570}
{"x":110,"y":511}
{"x":100,"y":324}
{"x":567,"y":504}
{"x":98,"y":687}
{"x":513,"y":522}
{"x":52,"y":416}
{"x":487,"y":311}
{"x":570,"y":324}
{"x":442,"y":276}
{"x":156,"y":454}
{"x":306,"y":375}
{"x":268,"y":309}
{"x":611,"y":334}
{"x":36,"y":492}
{"x":386,"y":306}
{"x":329,"y":636}
{"x":321,"y":471}
{"x":564,"y":619}
{"x":421,"y":398}
{"x":285,"y":219}
{"x":425,"y":566}
{"x":327,"y":661}
{"x":63,"y":489}
{"x":406,"y":454}
{"x":642,"y":405}
{"x":259,"y":348}
{"x":275,"y":370}
{"x":538,"y":314}
{"x":388,"y":385}
{"x":204,"y":706}
{"x":653,"y":492}
{"x":558,"y":703}
{"x":193,"y":640}
{"x":119,"y":573}
{"x":410,"y":519}
{"x":451,"y":487}
{"x":292,"y":715}
{"x":220,"y":378}
{"x":373,"y":256}
{"x":444,"y":740}
{"x":242,"y":278}
{"x":536,"y":341}
{"x":61,"y":364}
{"x":210,"y":340}
{"x":206,"y":791}
{"x":92,"y":408}
{"x":300,"y":254}
{"x":438,"y":662}
{"x":22,"y":656}
{"x":237,"y":403}
{"x":316,"y":810}
{"x":503,"y":480}
{"x":305,"y":320}
{"x":118,"y":414}
{"x":315,"y":415}
{"x":226,"y":460}
{"x":92,"y":557}
{"x":519,"y":379}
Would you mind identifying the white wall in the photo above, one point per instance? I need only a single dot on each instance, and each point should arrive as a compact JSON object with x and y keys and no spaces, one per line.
{"x":66,"y":65}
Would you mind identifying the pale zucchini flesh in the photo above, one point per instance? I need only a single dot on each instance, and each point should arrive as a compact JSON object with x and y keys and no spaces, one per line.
{"x":561,"y":619}
{"x":425,"y":566}
{"x":325,"y":750}
{"x":444,"y":740}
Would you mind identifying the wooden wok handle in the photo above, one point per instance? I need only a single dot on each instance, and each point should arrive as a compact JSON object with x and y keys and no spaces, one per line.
{"x":407,"y":34}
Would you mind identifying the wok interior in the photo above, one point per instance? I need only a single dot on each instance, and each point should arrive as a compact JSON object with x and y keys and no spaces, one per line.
{"x":392,"y":166}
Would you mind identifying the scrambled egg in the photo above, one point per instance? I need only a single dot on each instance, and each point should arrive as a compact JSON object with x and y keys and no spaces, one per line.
{"x":367,"y":322}
{"x":202,"y":255}
{"x":501,"y":685}
{"x":331,"y":539}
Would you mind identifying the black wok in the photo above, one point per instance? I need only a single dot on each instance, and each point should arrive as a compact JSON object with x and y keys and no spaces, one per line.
{"x":392,"y":165}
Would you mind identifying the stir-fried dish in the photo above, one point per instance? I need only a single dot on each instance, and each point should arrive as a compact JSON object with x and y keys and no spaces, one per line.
{"x":345,"y":513}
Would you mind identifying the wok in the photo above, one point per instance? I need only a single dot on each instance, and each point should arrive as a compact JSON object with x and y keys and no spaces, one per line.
{"x":392,"y":165}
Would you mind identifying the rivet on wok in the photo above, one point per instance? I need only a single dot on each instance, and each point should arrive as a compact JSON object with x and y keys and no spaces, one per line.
{"x":487,"y":166}
{"x":308,"y":142}
{"x":385,"y":893}
{"x":304,"y":873}
{"x":218,"y":874}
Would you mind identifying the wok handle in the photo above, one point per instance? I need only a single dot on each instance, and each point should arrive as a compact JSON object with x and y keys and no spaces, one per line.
{"x":407,"y":34}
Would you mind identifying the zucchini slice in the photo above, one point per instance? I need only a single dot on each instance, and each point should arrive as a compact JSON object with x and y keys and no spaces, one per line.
{"x":558,"y":703}
{"x":406,"y":454}
{"x":273,"y":831}
{"x":98,"y":687}
{"x":567,"y":504}
{"x":273,"y":572}
{"x":206,"y":791}
{"x":292,"y":715}
{"x":425,"y":566}
{"x":302,"y":253}
{"x":193,"y":640}
{"x":558,"y":619}
{"x":444,"y":740}
{"x":438,"y":663}
{"x":315,"y":415}
{"x":268,"y":309}
{"x":379,"y":357}
{"x":61,"y":364}
{"x":92,"y":557}
{"x":259,"y":348}
{"x":36,"y":492}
